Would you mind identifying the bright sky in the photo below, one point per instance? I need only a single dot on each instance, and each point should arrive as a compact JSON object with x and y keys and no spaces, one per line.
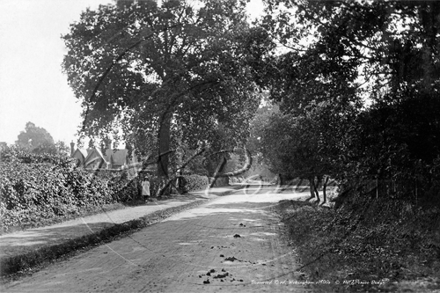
{"x":32,"y":86}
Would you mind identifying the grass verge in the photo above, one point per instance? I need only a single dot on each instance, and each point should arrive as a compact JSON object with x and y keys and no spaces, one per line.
{"x":366,"y":246}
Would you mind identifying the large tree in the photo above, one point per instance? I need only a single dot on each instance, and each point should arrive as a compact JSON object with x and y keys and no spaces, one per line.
{"x":36,"y":139}
{"x":391,"y":48}
{"x":385,"y":52}
{"x":155,"y":70}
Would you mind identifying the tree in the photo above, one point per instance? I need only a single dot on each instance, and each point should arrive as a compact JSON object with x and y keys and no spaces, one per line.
{"x":150,"y":70}
{"x":3,"y":145}
{"x":36,"y":139}
{"x":347,"y":51}
{"x":288,"y":150}
{"x":257,"y":124}
{"x":384,"y":51}
{"x":392,"y":44}
{"x":313,"y":146}
{"x":400,"y":142}
{"x":62,"y":148}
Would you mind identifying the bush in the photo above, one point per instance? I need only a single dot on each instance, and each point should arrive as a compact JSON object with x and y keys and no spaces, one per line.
{"x":192,"y":182}
{"x":155,"y":183}
{"x":16,"y":154}
{"x":37,"y":188}
{"x":219,"y":181}
{"x":366,"y":239}
{"x":124,"y":189}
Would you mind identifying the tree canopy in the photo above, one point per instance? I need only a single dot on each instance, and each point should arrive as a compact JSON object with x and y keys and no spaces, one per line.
{"x":36,"y":139}
{"x":346,"y":75}
{"x":152,"y":70}
{"x":386,"y":49}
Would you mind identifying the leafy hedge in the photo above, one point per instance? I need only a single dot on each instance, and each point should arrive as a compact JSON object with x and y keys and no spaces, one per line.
{"x":37,"y":188}
{"x":121,"y":187}
{"x":219,"y":181}
{"x":193,"y":182}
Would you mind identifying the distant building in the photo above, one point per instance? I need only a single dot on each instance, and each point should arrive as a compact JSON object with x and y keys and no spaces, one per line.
{"x":117,"y":158}
{"x":79,"y":154}
{"x":93,"y":158}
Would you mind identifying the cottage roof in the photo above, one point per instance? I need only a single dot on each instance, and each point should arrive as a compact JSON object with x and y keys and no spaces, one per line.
{"x":98,"y":153}
{"x":116,"y":156}
{"x":83,"y":152}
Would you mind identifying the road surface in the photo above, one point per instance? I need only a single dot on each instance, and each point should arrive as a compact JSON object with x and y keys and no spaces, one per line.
{"x":231,"y":244}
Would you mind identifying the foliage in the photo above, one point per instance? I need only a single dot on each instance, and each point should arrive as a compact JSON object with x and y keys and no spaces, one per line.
{"x":194,"y":182}
{"x":62,"y":149}
{"x":413,"y":137}
{"x":393,"y":44}
{"x":285,"y":147}
{"x":21,"y":155}
{"x":384,"y":52}
{"x":38,"y":191}
{"x":36,"y":139}
{"x":353,"y":243}
{"x":194,"y":162}
{"x":37,"y":188}
{"x":308,"y":146}
{"x":122,"y":188}
{"x":397,"y":144}
{"x":155,"y":185}
{"x":257,"y":124}
{"x":149,"y":69}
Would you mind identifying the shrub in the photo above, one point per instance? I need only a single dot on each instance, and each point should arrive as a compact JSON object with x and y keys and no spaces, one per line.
{"x":124,"y":189}
{"x":36,"y":188}
{"x":155,"y":183}
{"x":16,"y":154}
{"x":369,"y":239}
{"x":219,"y":181}
{"x":192,"y":182}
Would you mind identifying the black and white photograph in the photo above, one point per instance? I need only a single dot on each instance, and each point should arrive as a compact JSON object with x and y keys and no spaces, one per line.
{"x":219,"y":146}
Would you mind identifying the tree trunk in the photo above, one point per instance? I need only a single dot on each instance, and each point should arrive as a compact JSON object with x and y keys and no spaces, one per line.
{"x":281,"y":179}
{"x":316,"y":186}
{"x":298,"y":187}
{"x":164,"y":148}
{"x":324,"y":190}
{"x":224,"y":181}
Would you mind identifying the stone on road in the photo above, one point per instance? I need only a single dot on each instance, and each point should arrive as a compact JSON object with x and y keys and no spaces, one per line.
{"x":230,"y":244}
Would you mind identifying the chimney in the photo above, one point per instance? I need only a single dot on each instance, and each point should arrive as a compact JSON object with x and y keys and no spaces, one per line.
{"x":72,"y":148}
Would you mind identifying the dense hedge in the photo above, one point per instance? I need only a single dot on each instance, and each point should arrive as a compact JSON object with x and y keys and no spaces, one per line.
{"x":31,"y":193}
{"x":35,"y":188}
{"x":219,"y":181}
{"x":193,"y":182}
{"x":122,"y":188}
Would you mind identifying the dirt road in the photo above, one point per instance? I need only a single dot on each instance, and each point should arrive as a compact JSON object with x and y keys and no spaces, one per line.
{"x":231,"y":244}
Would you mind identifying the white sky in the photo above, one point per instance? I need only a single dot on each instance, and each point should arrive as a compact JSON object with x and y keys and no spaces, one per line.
{"x":32,"y":86}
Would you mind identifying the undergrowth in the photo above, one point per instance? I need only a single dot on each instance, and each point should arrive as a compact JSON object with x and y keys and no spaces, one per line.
{"x":368,"y":245}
